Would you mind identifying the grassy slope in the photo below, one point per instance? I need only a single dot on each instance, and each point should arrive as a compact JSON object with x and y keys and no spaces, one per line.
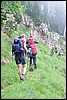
{"x":48,"y":81}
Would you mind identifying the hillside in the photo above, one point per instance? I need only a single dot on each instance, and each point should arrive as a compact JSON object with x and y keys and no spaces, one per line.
{"x":48,"y":81}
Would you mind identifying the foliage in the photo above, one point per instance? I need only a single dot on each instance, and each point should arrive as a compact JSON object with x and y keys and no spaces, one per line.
{"x":33,"y":10}
{"x":14,"y":8}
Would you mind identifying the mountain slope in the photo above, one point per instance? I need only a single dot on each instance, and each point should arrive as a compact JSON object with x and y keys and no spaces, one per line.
{"x":48,"y":81}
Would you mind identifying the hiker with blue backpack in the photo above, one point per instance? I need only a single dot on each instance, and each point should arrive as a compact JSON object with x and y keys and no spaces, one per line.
{"x":19,"y":51}
{"x":32,"y":51}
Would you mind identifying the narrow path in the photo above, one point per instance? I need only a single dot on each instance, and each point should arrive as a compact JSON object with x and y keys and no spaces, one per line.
{"x":29,"y":74}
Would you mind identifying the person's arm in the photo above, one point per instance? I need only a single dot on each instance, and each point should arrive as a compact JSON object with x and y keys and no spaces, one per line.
{"x":27,"y":42}
{"x":36,"y":42}
{"x":25,"y":46}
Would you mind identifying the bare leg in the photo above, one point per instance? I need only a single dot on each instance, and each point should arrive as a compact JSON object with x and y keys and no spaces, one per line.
{"x":24,"y":68}
{"x":20,"y":69}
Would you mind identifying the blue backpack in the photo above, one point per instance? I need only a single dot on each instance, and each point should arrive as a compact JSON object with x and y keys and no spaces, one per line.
{"x":17,"y":45}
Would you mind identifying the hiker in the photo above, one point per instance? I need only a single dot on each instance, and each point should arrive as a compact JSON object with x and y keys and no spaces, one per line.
{"x":33,"y":55}
{"x":30,"y":41}
{"x":23,"y":42}
{"x":32,"y":51}
{"x":18,"y":51}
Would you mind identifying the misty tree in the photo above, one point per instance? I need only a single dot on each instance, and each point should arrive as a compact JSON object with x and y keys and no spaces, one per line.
{"x":54,"y":14}
{"x":36,"y":13}
{"x":33,"y":11}
{"x":57,"y":18}
{"x":28,"y":5}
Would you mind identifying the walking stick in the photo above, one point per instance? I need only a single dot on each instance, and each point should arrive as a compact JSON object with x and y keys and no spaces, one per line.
{"x":27,"y":60}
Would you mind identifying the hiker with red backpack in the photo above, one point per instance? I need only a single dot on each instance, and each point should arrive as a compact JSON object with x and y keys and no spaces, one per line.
{"x":32,"y":51}
{"x":18,"y":49}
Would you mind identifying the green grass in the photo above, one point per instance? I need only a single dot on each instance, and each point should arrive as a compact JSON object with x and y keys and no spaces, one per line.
{"x":48,"y":81}
{"x":24,"y":30}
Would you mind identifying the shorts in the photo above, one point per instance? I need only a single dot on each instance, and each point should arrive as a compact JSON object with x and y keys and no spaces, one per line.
{"x":23,"y":58}
{"x":20,"y":58}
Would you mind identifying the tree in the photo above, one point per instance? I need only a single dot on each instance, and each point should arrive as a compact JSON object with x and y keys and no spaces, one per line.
{"x":11,"y":7}
{"x":54,"y":14}
{"x":36,"y":13}
{"x":33,"y":11}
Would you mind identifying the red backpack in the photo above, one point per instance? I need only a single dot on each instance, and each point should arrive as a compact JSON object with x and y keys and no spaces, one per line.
{"x":34,"y":50}
{"x":31,"y":40}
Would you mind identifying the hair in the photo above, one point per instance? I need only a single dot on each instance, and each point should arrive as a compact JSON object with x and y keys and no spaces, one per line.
{"x":31,"y":36}
{"x":21,"y":36}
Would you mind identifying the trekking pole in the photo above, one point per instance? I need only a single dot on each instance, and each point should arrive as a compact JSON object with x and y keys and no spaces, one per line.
{"x":27,"y":60}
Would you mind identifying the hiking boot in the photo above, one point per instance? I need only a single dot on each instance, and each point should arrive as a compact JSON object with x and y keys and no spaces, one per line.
{"x":30,"y":64}
{"x":22,"y":77}
{"x":35,"y":66}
